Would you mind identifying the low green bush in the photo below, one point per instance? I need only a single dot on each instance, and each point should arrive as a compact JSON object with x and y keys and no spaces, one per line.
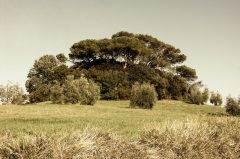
{"x":74,"y":91}
{"x":216,"y":99}
{"x":196,"y":96}
{"x":143,"y":96}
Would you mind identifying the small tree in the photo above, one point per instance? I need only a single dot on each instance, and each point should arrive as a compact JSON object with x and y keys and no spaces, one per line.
{"x":143,"y":96}
{"x":216,"y":99}
{"x":11,"y":93}
{"x":196,"y":96}
{"x":232,"y":106}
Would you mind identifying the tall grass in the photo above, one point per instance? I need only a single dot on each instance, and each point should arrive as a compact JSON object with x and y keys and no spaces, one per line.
{"x":191,"y":138}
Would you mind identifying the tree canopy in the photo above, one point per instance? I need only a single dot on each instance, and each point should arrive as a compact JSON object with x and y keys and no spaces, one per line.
{"x":115,"y":64}
{"x":127,"y":48}
{"x":125,"y":58}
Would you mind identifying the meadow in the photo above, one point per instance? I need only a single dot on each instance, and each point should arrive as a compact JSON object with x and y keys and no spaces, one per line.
{"x":110,"y":129}
{"x":113,"y":116}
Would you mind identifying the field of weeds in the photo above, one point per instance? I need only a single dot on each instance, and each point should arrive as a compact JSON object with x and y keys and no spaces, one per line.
{"x":112,"y":130}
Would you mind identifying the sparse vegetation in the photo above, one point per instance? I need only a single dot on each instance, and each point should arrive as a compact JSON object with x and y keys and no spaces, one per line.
{"x":143,"y":96}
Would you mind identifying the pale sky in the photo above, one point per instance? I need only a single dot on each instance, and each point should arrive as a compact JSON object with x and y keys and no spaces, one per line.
{"x":207,"y":31}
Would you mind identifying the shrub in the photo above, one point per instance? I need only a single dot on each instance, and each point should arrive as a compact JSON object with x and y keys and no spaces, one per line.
{"x":74,"y":91}
{"x":70,"y":91}
{"x":88,"y":91}
{"x":216,"y":99}
{"x":232,"y":106}
{"x":143,"y":96}
{"x":196,"y":96}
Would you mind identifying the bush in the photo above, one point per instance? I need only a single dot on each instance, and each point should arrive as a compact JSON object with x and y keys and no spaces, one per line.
{"x":232,"y":106}
{"x":70,"y":91}
{"x":216,"y":99}
{"x":143,"y":96}
{"x":196,"y":96}
{"x":88,"y":91}
{"x":74,"y":91}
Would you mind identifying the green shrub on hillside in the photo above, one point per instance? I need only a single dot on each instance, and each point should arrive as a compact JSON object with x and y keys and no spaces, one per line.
{"x":88,"y":91}
{"x":232,"y":106}
{"x":143,"y":96}
{"x":216,"y":99}
{"x":70,"y":92}
{"x":196,"y":96}
{"x":74,"y":91}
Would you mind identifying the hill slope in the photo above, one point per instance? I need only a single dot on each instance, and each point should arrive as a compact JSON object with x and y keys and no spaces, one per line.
{"x":113,"y":116}
{"x":171,"y":130}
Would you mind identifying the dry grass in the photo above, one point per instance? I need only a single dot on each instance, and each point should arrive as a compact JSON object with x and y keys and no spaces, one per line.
{"x":191,"y":138}
{"x":88,"y":144}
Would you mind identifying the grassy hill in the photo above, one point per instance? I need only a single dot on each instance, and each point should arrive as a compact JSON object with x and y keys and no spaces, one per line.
{"x":113,"y":116}
{"x":111,"y":129}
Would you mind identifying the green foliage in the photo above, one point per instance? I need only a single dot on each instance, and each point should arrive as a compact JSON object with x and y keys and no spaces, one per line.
{"x":143,"y":96}
{"x":115,"y":64}
{"x":56,"y":94}
{"x":43,"y":75}
{"x":177,"y":87}
{"x":74,"y":91}
{"x":61,"y":58}
{"x":232,"y":106}
{"x":186,"y":72}
{"x":88,"y":91}
{"x":216,"y":99}
{"x":132,"y":58}
{"x":42,"y":93}
{"x":205,"y":95}
{"x":12,"y":93}
{"x":70,"y":91}
{"x":196,"y":96}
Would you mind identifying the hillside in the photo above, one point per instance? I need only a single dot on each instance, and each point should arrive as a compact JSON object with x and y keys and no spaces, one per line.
{"x":110,"y":129}
{"x":113,"y":116}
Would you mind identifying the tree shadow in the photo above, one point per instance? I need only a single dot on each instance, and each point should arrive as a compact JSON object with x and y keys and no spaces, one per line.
{"x":218,"y":114}
{"x":134,"y":108}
